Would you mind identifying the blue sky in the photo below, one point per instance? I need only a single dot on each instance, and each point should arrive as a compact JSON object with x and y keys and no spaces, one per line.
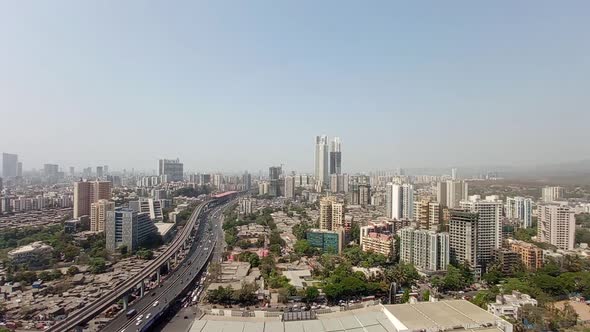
{"x":233,"y":85}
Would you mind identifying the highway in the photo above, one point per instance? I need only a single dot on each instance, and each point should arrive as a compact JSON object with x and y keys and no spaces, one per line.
{"x":82,"y":316}
{"x":158,"y":300}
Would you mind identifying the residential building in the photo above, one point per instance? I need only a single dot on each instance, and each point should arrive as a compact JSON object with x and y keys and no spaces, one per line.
{"x":245,"y":206}
{"x":321,"y":162}
{"x":552,"y":194}
{"x":171,"y":170}
{"x":463,"y":227}
{"x":520,"y":208}
{"x":50,"y":170}
{"x":456,"y":192}
{"x":509,"y":305}
{"x":400,"y":201}
{"x":336,"y":156}
{"x":290,"y":187}
{"x":247,"y":181}
{"x":441,"y":193}
{"x":86,"y":193}
{"x":263,"y":188}
{"x":331,"y":213}
{"x":506,"y":260}
{"x":274,"y":175}
{"x":435,"y":216}
{"x":489,"y":225}
{"x":327,"y":241}
{"x":529,"y":254}
{"x":129,"y":228}
{"x":425,"y":249}
{"x":427,"y":214}
{"x":9,"y":165}
{"x":378,"y":237}
{"x":98,"y":214}
{"x":556,"y":225}
{"x":364,"y":195}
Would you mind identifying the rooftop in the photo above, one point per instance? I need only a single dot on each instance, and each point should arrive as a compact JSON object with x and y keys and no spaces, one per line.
{"x":456,"y":315}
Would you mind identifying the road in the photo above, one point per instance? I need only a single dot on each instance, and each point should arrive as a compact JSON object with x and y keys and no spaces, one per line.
{"x":83,"y":315}
{"x":157,"y":301}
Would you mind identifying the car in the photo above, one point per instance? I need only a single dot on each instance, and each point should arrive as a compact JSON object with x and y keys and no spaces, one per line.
{"x":148,"y":315}
{"x":138,"y":323}
{"x":139,"y":317}
{"x":185,"y":317}
{"x":155,"y":304}
{"x":154,"y":294}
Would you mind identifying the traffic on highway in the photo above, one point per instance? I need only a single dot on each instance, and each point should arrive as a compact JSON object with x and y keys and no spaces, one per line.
{"x":145,"y":311}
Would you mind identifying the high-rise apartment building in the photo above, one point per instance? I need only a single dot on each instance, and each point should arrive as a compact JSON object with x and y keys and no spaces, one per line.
{"x":171,"y":170}
{"x":489,"y":225}
{"x":19,"y":169}
{"x":552,"y":194}
{"x":463,"y":226}
{"x":321,"y":162}
{"x":456,"y":192}
{"x":50,"y":170}
{"x":331,"y":213}
{"x":9,"y":165}
{"x":520,"y":208}
{"x":274,"y":175}
{"x":247,"y":180}
{"x":86,"y":193}
{"x":400,"y":201}
{"x":427,"y":250}
{"x":99,"y":172}
{"x":290,"y":187}
{"x":98,"y":214}
{"x":556,"y":225}
{"x":453,"y":174}
{"x":441,"y":193}
{"x":336,"y":156}
{"x":127,"y":227}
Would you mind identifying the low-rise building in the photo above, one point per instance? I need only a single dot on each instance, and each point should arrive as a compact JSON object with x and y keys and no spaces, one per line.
{"x":31,"y":254}
{"x":510,"y":305}
{"x":506,"y":259}
{"x":327,"y":241}
{"x":378,"y":237}
{"x":529,"y":254}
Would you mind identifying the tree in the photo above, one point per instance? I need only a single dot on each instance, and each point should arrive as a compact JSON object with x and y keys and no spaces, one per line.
{"x":302,"y":247}
{"x":45,"y":276}
{"x":70,"y":252}
{"x":405,"y":296}
{"x":97,"y":265}
{"x":311,"y":294}
{"x":214,"y":270}
{"x":72,"y":270}
{"x":404,"y":274}
{"x":275,"y":249}
{"x":426,"y":295}
{"x":145,"y":254}
{"x":56,"y":274}
{"x":454,"y":280}
{"x":123,"y":249}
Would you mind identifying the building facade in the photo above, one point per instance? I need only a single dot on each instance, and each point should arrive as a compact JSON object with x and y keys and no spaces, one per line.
{"x":321,"y":162}
{"x":552,"y":194}
{"x":126,"y":227}
{"x":327,"y":241}
{"x":520,"y":208}
{"x":556,"y":225}
{"x":425,"y":249}
{"x":171,"y":170}
{"x":98,"y":214}
{"x":400,"y":201}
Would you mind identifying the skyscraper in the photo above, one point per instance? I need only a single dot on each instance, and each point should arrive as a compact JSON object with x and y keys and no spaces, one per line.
{"x":50,"y":170}
{"x":489,"y":226}
{"x":274,"y":175}
{"x":98,"y":214}
{"x":556,"y":225}
{"x":86,"y":193}
{"x":336,"y":156}
{"x":453,"y":174}
{"x":171,"y":170}
{"x":551,"y":194}
{"x":321,"y":162}
{"x":99,"y":172}
{"x":463,"y":227}
{"x":247,"y":180}
{"x":9,"y":165}
{"x":290,"y":186}
{"x":400,"y":201}
{"x":520,"y":208}
{"x":456,"y":192}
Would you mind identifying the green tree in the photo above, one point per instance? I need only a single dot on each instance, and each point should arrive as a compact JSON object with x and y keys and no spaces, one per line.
{"x":426,"y":295}
{"x":311,"y":294}
{"x":302,"y":247}
{"x":405,"y":296}
{"x":97,"y":265}
{"x":145,"y":254}
{"x":72,"y":270}
{"x":124,"y":250}
{"x":404,"y":274}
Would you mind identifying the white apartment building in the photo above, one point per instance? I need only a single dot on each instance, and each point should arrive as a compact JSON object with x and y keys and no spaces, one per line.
{"x":400,"y":201}
{"x":552,"y":194}
{"x":556,"y":225}
{"x":520,"y":208}
{"x":426,"y":249}
{"x":489,"y":226}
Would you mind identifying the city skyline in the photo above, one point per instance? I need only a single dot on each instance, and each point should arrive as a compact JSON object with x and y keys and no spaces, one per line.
{"x":197,"y":79}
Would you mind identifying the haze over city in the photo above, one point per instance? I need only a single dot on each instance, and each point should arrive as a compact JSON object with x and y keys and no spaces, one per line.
{"x":241,"y":85}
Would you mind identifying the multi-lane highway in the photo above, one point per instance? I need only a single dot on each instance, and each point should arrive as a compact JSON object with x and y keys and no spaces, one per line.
{"x":95,"y":308}
{"x":157,"y":301}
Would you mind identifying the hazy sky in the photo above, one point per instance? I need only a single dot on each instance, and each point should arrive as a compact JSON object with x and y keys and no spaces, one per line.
{"x":233,"y":85}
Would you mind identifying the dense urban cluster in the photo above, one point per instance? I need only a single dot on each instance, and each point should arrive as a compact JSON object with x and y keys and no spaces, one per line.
{"x":296,"y":244}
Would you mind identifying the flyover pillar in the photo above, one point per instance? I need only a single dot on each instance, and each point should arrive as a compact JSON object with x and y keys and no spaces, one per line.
{"x":125,"y":302}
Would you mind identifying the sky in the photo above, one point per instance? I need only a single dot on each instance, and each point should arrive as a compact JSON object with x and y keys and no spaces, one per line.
{"x":243,"y":85}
